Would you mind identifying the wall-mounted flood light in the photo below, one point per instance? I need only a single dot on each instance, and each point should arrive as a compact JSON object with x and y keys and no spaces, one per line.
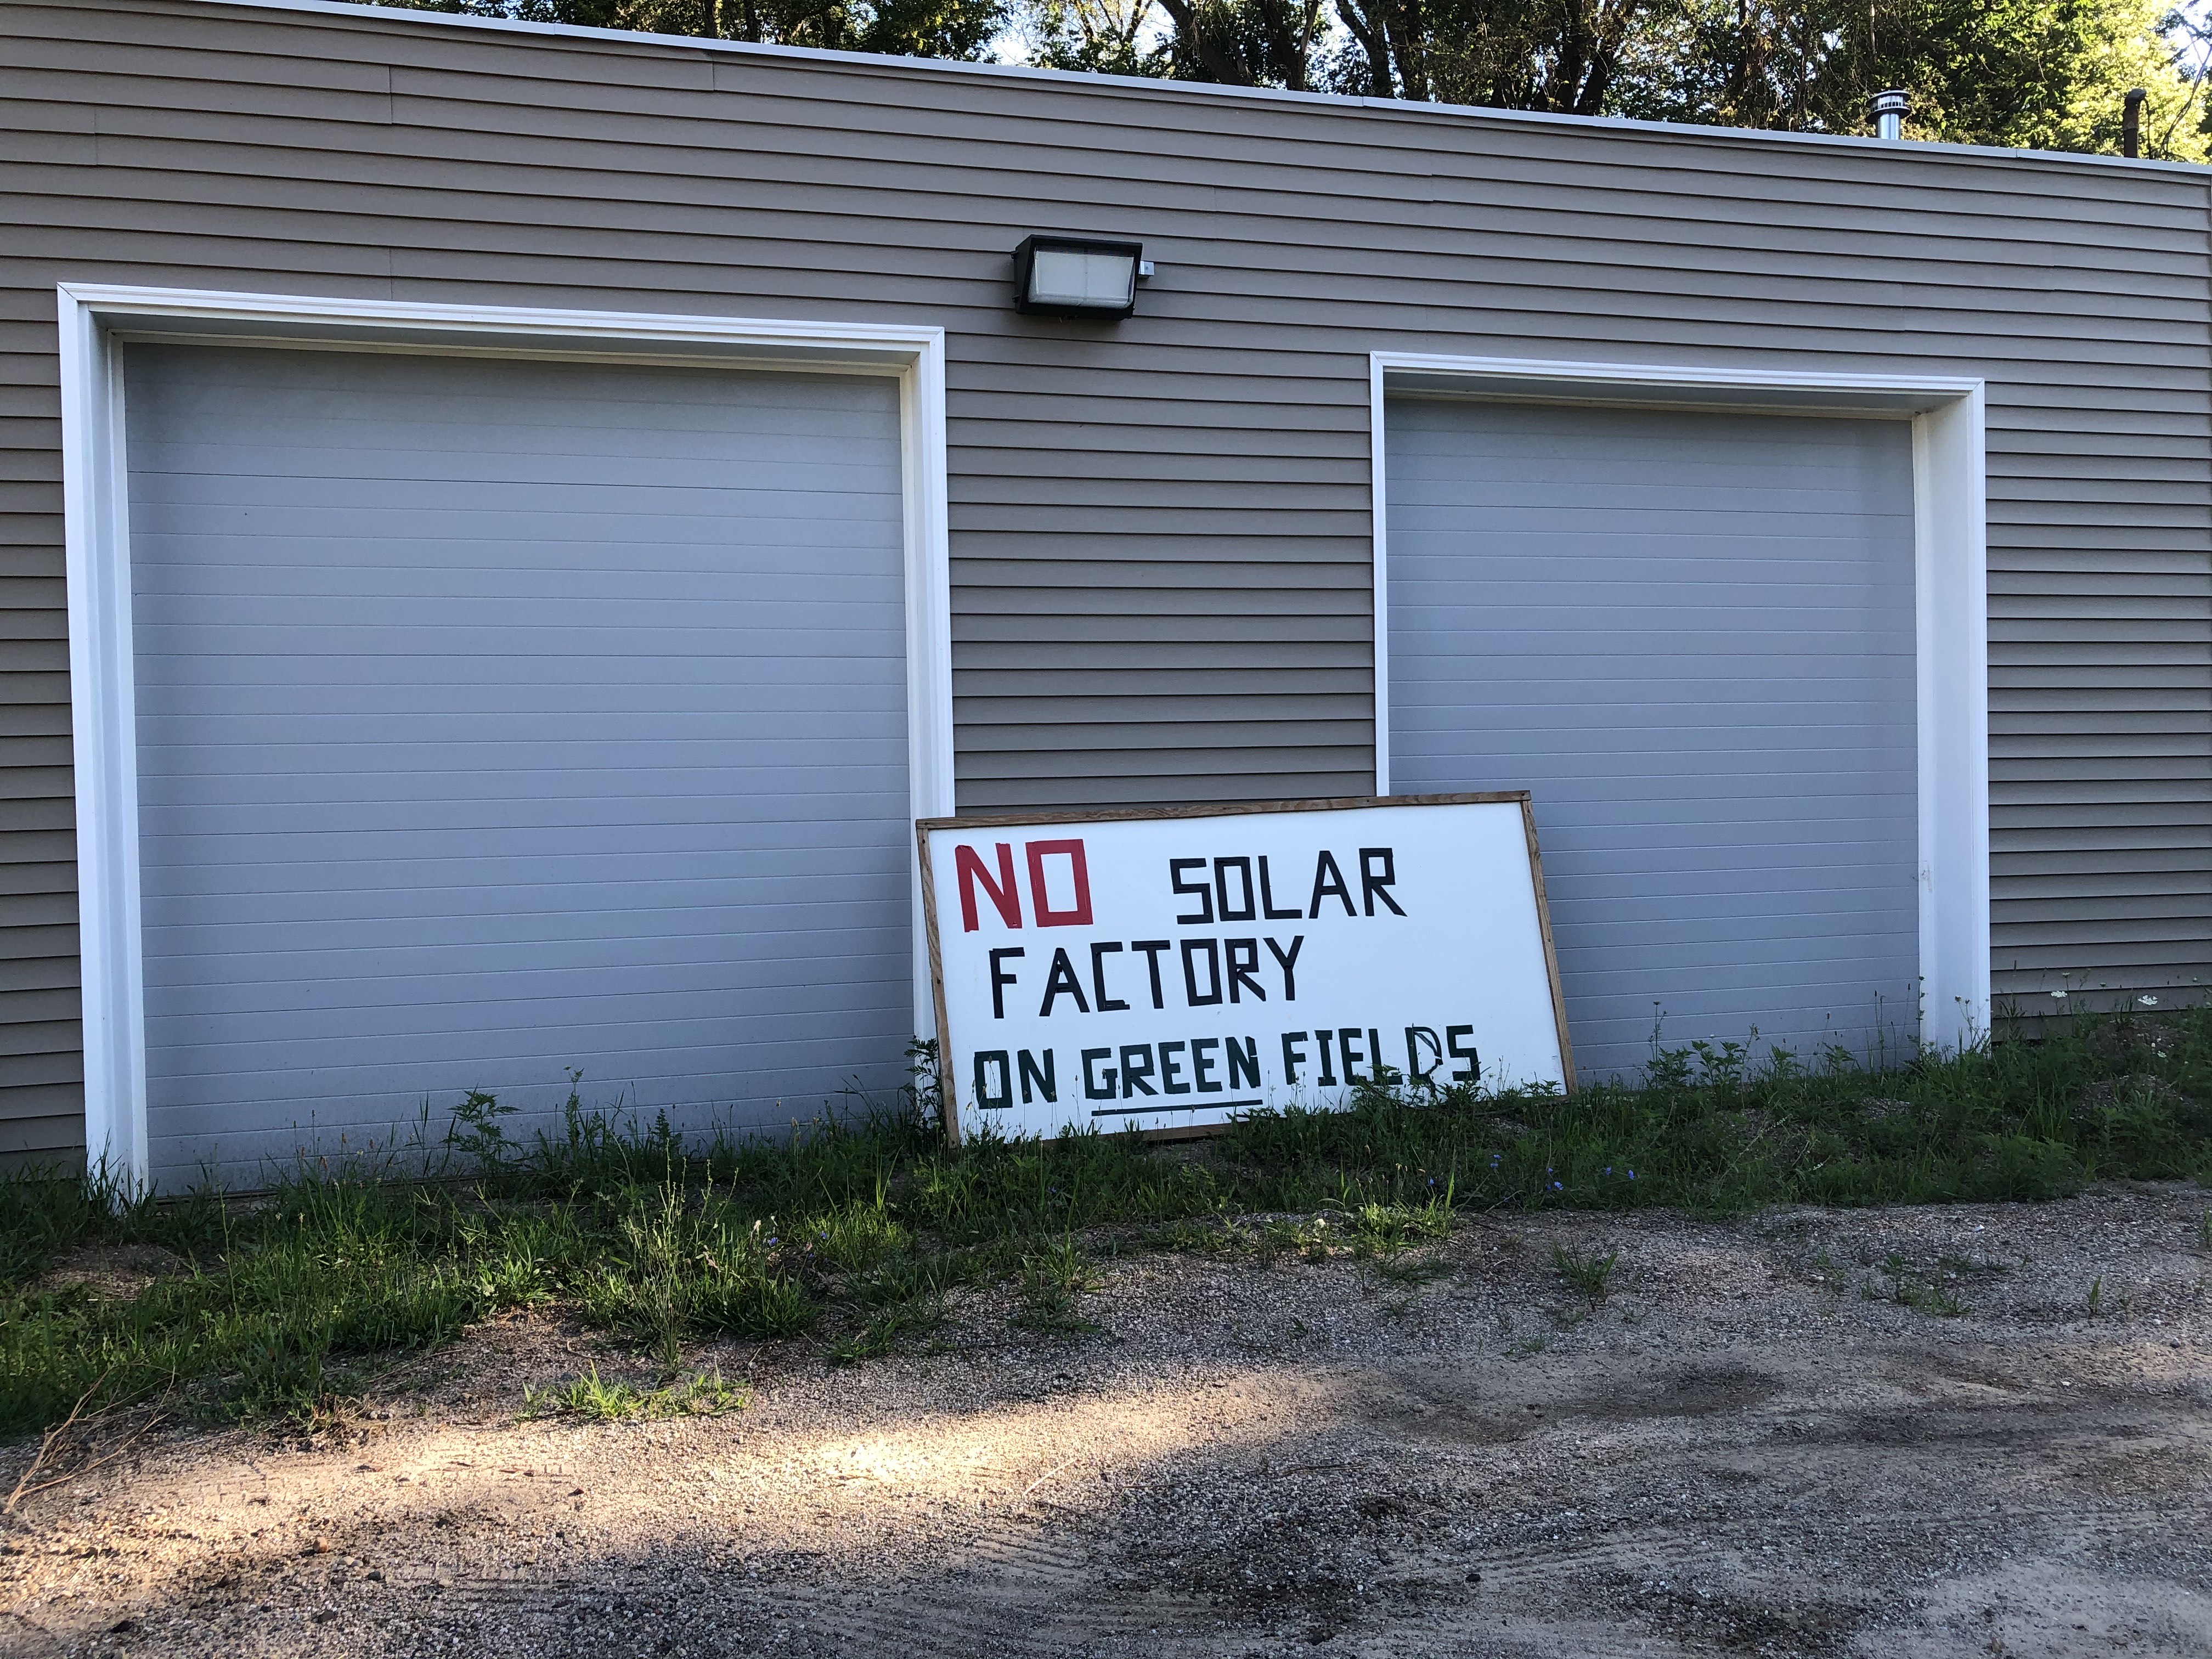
{"x":1078,"y":277}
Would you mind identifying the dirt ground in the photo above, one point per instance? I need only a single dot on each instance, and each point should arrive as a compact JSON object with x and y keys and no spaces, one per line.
{"x":1762,"y":1440}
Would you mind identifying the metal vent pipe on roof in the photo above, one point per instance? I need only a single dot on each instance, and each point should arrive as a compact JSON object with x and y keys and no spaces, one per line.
{"x":1889,"y":110}
{"x":2131,"y":123}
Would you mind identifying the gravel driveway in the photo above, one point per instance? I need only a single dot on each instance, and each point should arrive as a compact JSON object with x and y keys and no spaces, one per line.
{"x":1895,"y":1432}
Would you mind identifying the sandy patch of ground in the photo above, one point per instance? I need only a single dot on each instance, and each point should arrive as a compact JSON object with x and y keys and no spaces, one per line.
{"x":1867,"y":1433}
{"x":115,"y":1270}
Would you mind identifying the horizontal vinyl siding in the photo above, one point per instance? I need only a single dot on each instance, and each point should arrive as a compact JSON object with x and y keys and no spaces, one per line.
{"x":41,"y":1035}
{"x":1161,"y":560}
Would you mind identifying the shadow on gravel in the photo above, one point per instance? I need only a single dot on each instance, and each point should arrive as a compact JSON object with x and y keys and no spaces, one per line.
{"x":1780,"y":1503}
{"x":1780,"y":1466}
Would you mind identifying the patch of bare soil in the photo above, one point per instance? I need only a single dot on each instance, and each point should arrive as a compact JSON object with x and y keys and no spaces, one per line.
{"x":113,"y":1270}
{"x":1871,"y":1433}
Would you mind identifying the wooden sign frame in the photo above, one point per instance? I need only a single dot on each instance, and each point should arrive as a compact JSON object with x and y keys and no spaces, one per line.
{"x":924,"y":827}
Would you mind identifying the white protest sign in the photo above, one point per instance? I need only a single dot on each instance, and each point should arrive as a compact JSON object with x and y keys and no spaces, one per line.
{"x":1176,"y":968}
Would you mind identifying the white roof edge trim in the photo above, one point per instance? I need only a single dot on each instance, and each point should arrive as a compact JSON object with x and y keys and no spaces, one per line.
{"x":402,"y":14}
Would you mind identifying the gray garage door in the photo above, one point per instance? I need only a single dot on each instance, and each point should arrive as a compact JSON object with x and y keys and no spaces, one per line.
{"x":1691,"y":636}
{"x":497,"y":718}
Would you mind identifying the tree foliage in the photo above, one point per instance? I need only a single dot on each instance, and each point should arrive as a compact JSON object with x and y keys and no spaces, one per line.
{"x":2034,"y":74}
{"x":2040,"y":73}
{"x":1109,"y":37}
{"x":1562,"y":55}
{"x":911,"y":28}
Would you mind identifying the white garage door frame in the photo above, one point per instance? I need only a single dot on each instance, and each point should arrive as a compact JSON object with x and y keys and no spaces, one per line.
{"x":1950,"y":607}
{"x":95,"y":320}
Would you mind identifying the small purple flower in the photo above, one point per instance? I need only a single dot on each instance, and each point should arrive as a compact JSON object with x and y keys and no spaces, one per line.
{"x":1558,"y":1187}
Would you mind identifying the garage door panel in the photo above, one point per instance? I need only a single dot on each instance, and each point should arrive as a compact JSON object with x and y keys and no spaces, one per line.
{"x":819,"y":605}
{"x":606,"y":701}
{"x":482,"y":413}
{"x":509,"y":750}
{"x":778,"y":1046}
{"x":649,"y":969}
{"x":684,"y":478}
{"x":1727,"y":968}
{"x":664,"y":413}
{"x":353,"y":919}
{"x":1671,"y":448}
{"x":485,"y":816}
{"x":220,"y":588}
{"x":316,"y":1108}
{"x":324,"y":983}
{"x":651,"y":906}
{"x":1723,"y":770}
{"x":1711,"y":927}
{"x":361,"y":1033}
{"x":399,"y":645}
{"x":614,"y":687}
{"x":502,"y":717}
{"x":1816,"y":677}
{"x":510,"y":448}
{"x":1710,"y":864}
{"x":1819,"y":903}
{"x":775,"y":1037}
{"x":1873,"y":1036}
{"x":684,"y":845}
{"x":1725,"y":538}
{"x":1644,"y":605}
{"x":767,"y":872}
{"x":469,"y":519}
{"x":1708,"y":649}
{"x":502,"y":776}
{"x":470,"y":536}
{"x":1691,"y":637}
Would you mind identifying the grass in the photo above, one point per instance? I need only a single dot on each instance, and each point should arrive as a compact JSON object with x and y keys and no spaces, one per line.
{"x":853,"y":1234}
{"x":882,"y":1329}
{"x":1051,"y":1286}
{"x":1411,"y":1274}
{"x":1384,"y":1230}
{"x":704,"y":1395}
{"x":1587,"y":1274}
{"x":1908,"y":1288}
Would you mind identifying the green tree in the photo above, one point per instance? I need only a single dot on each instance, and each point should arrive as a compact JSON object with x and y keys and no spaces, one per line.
{"x":1110,"y":37}
{"x":910,"y":28}
{"x":1246,"y":43}
{"x":2041,"y":74}
{"x":2036,"y":74}
{"x":1562,"y":55}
